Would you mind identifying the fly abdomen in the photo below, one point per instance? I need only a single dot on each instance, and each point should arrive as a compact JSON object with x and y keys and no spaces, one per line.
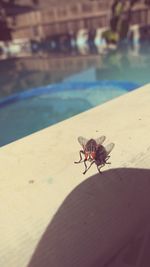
{"x":101,"y":155}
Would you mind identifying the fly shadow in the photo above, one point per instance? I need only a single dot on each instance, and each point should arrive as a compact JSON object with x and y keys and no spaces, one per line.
{"x":100,"y":216}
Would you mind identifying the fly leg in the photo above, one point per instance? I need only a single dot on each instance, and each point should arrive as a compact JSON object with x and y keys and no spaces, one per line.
{"x":103,"y":164}
{"x":85,"y":166}
{"x":86,"y":169}
{"x":107,"y":159}
{"x":80,"y":160}
{"x":99,"y":168}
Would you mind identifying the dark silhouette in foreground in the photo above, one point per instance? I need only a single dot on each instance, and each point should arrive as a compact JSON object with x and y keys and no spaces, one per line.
{"x":98,"y":218}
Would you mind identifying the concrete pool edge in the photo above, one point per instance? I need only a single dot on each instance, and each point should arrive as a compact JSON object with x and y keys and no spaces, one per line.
{"x":39,"y":181}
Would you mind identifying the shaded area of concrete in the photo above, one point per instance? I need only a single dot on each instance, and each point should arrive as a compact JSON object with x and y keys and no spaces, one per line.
{"x":98,"y":218}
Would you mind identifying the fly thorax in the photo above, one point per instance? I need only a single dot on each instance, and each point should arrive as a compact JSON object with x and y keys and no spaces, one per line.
{"x":91,"y":145}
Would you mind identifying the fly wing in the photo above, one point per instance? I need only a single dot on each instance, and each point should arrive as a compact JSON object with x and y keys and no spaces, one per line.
{"x":82,"y":141}
{"x":100,"y":140}
{"x":109,"y":148}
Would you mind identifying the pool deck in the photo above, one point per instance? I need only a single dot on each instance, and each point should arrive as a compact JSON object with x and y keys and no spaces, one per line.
{"x":53,"y":215}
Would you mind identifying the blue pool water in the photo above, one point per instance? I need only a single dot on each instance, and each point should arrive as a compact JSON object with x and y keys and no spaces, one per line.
{"x":27,"y":112}
{"x":39,"y":92}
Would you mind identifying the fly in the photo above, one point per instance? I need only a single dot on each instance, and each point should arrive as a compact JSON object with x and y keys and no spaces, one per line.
{"x":94,"y":152}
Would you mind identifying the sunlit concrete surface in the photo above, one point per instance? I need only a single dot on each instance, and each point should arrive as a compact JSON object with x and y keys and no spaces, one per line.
{"x":53,"y":215}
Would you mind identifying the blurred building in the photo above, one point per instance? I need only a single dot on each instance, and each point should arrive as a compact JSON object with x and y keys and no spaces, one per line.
{"x":47,"y":19}
{"x":53,"y":17}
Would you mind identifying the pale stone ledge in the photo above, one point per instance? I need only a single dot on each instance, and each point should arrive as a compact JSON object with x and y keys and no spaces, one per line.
{"x":53,"y":215}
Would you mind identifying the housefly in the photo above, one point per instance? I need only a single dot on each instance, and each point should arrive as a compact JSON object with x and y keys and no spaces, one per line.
{"x":94,"y":152}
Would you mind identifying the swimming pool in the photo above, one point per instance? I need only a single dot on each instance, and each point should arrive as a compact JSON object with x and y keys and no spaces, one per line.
{"x":39,"y":95}
{"x":27,"y":112}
